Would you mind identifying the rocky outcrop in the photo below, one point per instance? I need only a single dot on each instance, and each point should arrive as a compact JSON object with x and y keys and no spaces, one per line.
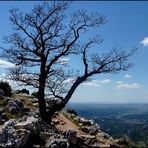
{"x":28,"y":130}
{"x":93,"y":136}
{"x":14,"y":106}
{"x":18,"y":134}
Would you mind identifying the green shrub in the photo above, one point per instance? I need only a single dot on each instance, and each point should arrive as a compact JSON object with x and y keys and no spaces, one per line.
{"x":72,"y":111}
{"x":6,"y":88}
{"x":22,"y":91}
{"x":35,"y":94}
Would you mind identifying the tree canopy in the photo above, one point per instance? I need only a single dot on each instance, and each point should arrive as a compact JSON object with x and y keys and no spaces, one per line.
{"x":45,"y":38}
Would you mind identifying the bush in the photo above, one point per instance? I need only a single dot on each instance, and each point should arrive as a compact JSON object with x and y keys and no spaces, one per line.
{"x":25,"y":91}
{"x":72,"y":111}
{"x":6,"y":88}
{"x":22,"y":91}
{"x":35,"y":94}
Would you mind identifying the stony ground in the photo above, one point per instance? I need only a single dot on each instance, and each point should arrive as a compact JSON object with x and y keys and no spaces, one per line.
{"x":92,"y":136}
{"x":65,"y":124}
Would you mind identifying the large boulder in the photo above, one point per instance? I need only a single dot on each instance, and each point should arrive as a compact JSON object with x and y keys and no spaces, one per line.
{"x":85,"y":122}
{"x":23,"y":139}
{"x":71,"y":136}
{"x":7,"y":134}
{"x":20,"y":133}
{"x":29,"y":123}
{"x":14,"y":106}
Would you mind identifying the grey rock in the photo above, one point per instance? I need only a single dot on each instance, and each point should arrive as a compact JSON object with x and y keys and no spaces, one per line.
{"x":23,"y":119}
{"x":72,"y":138}
{"x":9,"y":124}
{"x":29,"y":124}
{"x":53,"y":146}
{"x":57,"y":143}
{"x":34,"y":100}
{"x":92,"y":130}
{"x":19,"y":133}
{"x":85,"y":121}
{"x":23,"y":138}
{"x":14,"y":106}
{"x":56,"y":121}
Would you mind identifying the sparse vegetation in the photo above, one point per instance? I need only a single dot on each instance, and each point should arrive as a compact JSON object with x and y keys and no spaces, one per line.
{"x":35,"y":94}
{"x":6,"y":88}
{"x":72,"y":111}
{"x":24,"y":90}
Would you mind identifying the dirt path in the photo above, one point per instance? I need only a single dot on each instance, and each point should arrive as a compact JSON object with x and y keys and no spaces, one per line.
{"x":65,"y":124}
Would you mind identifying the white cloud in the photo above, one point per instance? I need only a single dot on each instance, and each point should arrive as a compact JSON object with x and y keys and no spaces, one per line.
{"x":5,"y":64}
{"x":96,"y":83}
{"x":91,"y":84}
{"x":127,"y":76}
{"x":105,"y":81}
{"x":127,"y":85}
{"x":119,"y":82}
{"x":64,"y":61}
{"x":144,"y":42}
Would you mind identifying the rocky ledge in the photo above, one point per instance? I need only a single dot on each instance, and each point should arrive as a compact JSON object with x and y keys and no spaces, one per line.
{"x":27,"y":130}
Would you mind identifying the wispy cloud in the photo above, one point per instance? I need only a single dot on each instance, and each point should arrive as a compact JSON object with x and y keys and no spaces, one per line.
{"x":122,"y":85}
{"x":96,"y":83}
{"x":119,"y":82}
{"x":144,"y":42}
{"x":5,"y":64}
{"x":127,"y":76}
{"x":64,"y":61}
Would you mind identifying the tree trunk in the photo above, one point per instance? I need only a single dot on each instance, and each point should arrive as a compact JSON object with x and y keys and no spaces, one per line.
{"x":69,"y":94}
{"x":41,"y":94}
{"x":42,"y":103}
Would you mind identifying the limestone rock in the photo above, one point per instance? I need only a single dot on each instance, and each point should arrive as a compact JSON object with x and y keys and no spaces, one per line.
{"x":14,"y":106}
{"x":34,"y":100}
{"x":85,"y":121}
{"x":56,"y":121}
{"x":57,"y":143}
{"x":29,"y":124}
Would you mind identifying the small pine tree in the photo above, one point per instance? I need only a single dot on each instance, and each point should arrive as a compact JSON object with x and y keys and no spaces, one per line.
{"x":6,"y":88}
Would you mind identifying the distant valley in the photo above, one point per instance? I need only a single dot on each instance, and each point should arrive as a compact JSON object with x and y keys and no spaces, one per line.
{"x":118,"y":119}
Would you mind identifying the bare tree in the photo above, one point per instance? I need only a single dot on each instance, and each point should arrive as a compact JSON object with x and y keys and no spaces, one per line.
{"x":43,"y":38}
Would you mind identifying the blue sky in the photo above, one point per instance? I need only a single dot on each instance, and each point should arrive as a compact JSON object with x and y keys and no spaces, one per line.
{"x":127,"y":26}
